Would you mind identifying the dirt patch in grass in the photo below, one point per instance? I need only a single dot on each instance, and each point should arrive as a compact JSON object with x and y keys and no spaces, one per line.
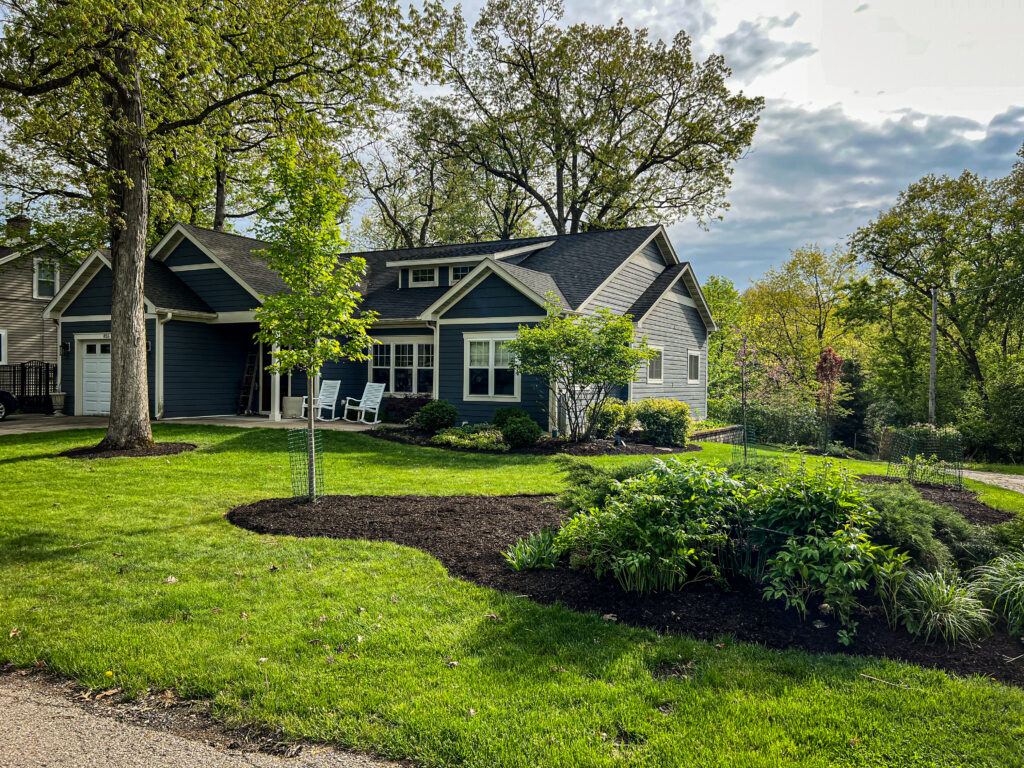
{"x":962,"y":500}
{"x":468,"y":533}
{"x":546,"y":446}
{"x":156,"y":449}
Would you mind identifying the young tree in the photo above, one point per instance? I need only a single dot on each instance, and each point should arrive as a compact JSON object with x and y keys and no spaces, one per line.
{"x":314,"y":321}
{"x":601,"y":126}
{"x":99,"y":96}
{"x":583,"y":360}
{"x":829,"y":371}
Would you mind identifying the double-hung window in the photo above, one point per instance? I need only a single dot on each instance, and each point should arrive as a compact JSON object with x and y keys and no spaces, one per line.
{"x":692,"y":367}
{"x":44,"y":279}
{"x":403,"y":367}
{"x":423,"y":276}
{"x":655,"y":367}
{"x":488,"y":373}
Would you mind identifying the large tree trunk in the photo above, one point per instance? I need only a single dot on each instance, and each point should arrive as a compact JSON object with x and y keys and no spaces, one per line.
{"x":220,"y":204}
{"x":129,"y":208}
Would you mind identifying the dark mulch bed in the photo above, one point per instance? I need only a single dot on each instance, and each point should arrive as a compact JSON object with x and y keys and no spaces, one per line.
{"x":546,"y":446}
{"x":962,"y":500}
{"x":468,"y":533}
{"x":157,"y":449}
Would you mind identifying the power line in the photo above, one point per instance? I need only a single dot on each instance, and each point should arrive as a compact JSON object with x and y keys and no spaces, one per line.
{"x":985,"y":287}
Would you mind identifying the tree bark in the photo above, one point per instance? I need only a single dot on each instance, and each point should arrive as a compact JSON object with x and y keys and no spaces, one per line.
{"x":220,"y":202}
{"x":129,"y":222}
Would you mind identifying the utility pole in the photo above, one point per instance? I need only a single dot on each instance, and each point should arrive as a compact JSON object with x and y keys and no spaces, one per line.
{"x":931,"y":376}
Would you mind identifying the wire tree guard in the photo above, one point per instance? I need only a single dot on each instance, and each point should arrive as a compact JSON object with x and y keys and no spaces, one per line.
{"x":744,"y":444}
{"x":298,"y":462}
{"x":924,"y":457}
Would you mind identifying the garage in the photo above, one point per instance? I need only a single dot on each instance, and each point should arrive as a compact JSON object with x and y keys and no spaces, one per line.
{"x":95,"y":362}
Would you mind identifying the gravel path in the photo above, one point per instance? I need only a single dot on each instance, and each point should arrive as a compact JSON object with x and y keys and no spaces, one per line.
{"x":43,"y":728}
{"x":1011,"y":482}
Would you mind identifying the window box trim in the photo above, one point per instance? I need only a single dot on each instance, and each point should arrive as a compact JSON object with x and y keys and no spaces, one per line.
{"x":661,"y":358}
{"x":490,"y":336}
{"x":416,"y":368}
{"x":690,"y":354}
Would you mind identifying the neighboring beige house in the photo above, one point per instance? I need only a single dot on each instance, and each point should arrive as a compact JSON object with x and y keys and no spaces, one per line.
{"x":29,"y":279}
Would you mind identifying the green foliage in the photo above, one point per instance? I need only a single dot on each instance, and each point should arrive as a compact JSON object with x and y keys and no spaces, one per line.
{"x":581,"y":358}
{"x":664,"y":421}
{"x":587,"y":485}
{"x":478,"y":437}
{"x":436,"y":415}
{"x":781,"y":422}
{"x":727,"y":308}
{"x":657,"y":531}
{"x":1001,"y":584}
{"x":314,"y":321}
{"x":942,"y":604}
{"x":910,"y":524}
{"x":614,"y":416}
{"x":507,"y":412}
{"x":520,"y":432}
{"x":538,"y":550}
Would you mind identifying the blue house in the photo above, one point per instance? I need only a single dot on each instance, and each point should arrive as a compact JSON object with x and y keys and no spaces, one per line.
{"x":444,"y":313}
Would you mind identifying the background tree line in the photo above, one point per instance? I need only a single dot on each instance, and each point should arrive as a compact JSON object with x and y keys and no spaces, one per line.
{"x":870,"y":301}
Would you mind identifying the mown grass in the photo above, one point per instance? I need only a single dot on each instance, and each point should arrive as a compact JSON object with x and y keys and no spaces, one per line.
{"x":373,"y":646}
{"x":1006,"y":469}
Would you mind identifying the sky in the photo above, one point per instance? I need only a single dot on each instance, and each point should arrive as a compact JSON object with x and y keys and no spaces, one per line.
{"x":862,"y":99}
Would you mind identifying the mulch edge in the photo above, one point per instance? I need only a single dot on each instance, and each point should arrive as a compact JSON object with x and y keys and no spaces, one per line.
{"x":157,"y":449}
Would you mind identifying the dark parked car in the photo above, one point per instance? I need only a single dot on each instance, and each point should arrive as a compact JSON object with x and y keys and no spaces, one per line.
{"x":8,"y":404}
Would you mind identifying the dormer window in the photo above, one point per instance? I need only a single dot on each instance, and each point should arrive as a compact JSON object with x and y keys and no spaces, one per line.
{"x":44,"y":279}
{"x":460,"y":272}
{"x":423,"y":276}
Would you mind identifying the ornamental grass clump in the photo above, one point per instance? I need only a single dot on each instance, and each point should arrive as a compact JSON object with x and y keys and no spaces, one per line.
{"x":942,"y":604}
{"x":1001,"y":584}
{"x":538,"y":550}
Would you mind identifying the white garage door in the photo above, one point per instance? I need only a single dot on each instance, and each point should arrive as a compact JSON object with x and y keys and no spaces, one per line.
{"x":95,"y":362}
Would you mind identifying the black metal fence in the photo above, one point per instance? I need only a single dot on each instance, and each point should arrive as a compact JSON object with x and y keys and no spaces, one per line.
{"x":31,"y":383}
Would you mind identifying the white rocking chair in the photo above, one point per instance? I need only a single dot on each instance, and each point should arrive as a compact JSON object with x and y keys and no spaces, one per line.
{"x":327,"y":400}
{"x":369,"y":403}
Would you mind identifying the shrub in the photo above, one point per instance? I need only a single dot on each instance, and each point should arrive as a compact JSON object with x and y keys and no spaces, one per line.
{"x":614,"y":416}
{"x":436,"y":415}
{"x":520,"y":432}
{"x":664,"y":421}
{"x":538,"y":550}
{"x":399,"y":410}
{"x":1001,"y":583}
{"x":480,"y":437}
{"x":588,"y":485}
{"x":942,"y":603}
{"x":705,"y":424}
{"x":657,"y":531}
{"x":507,"y":412}
{"x":784,"y":423}
{"x":909,"y":523}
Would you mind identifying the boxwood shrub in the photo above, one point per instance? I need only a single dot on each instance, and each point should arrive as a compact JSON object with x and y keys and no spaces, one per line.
{"x":436,"y":415}
{"x":664,"y":421}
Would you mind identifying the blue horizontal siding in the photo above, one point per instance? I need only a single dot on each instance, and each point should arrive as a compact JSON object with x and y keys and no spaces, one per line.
{"x":203,"y":367}
{"x":187,"y":253}
{"x":533,"y":391}
{"x":493,"y":297}
{"x":94,"y":299}
{"x":218,"y":289}
{"x":69,"y":364}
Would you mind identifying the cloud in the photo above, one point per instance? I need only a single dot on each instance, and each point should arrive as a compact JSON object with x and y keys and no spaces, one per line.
{"x":751,"y":51}
{"x":860,"y":8}
{"x":817,"y":175}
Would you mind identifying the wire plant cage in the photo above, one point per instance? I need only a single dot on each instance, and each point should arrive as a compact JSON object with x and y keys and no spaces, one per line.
{"x":744,"y":443}
{"x":922,"y":456}
{"x":298,"y":463}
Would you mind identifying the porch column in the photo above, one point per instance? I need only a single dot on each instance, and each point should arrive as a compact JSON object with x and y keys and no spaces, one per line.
{"x":275,"y":389}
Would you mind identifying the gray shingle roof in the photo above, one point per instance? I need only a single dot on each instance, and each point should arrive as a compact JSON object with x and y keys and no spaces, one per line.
{"x":538,"y":282}
{"x":167,"y":291}
{"x":655,"y":290}
{"x":238,"y":253}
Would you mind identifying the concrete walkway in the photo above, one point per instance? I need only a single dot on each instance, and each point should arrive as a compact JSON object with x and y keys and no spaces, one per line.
{"x":30,"y":423}
{"x":44,"y":728}
{"x":1010,"y":482}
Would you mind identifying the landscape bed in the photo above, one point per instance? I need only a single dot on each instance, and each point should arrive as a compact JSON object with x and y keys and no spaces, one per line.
{"x":546,"y":446}
{"x":469,"y":533}
{"x":156,"y":449}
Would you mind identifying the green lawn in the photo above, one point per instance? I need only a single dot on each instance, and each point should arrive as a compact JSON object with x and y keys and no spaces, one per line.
{"x":410,"y":665}
{"x":1006,"y":469}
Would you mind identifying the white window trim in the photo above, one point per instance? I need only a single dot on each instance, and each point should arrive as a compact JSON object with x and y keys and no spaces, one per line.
{"x":422,"y":283}
{"x":661,"y":357}
{"x":3,"y":346}
{"x":491,"y":336}
{"x":415,"y":341}
{"x":35,"y":279}
{"x":451,"y":273}
{"x":689,"y":354}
